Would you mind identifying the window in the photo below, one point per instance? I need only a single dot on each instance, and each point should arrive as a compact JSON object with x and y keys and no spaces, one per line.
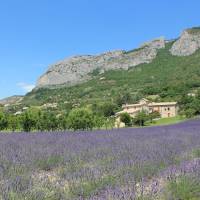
{"x":168,"y":108}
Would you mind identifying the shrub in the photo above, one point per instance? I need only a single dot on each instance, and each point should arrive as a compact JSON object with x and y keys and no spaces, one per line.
{"x":141,"y":118}
{"x":126,"y":118}
{"x":81,"y":119}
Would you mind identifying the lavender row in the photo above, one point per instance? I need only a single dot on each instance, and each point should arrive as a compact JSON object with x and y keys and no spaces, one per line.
{"x":114,"y":164}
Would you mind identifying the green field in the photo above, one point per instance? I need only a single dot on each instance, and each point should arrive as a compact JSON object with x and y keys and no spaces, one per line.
{"x":167,"y":121}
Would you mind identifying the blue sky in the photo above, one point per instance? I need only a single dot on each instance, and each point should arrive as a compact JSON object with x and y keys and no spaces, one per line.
{"x":37,"y":33}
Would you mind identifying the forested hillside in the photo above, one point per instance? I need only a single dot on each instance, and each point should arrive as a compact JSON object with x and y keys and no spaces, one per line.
{"x":168,"y":77}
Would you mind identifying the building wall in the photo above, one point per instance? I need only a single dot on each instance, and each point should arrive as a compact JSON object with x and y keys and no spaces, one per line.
{"x":132,"y":109}
{"x":119,"y":124}
{"x":166,"y":111}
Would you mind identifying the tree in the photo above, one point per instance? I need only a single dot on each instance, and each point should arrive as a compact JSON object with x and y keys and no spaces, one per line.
{"x":99,"y":121}
{"x":154,"y":115}
{"x":190,"y":106}
{"x":190,"y":112}
{"x":52,"y":121}
{"x":126,"y":118}
{"x":96,"y":109}
{"x":124,"y":99}
{"x":47,"y":121}
{"x":13,"y":122}
{"x":3,"y":121}
{"x":141,"y":118}
{"x":108,"y":109}
{"x":62,"y":122}
{"x":109,"y":123}
{"x":28,"y":122}
{"x":81,"y":119}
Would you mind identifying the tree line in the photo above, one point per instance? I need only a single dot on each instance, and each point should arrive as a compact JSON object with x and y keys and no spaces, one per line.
{"x":139,"y":119}
{"x":95,"y":116}
{"x":38,"y":120}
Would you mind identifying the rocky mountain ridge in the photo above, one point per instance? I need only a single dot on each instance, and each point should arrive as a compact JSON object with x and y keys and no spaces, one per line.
{"x":79,"y":69}
{"x":187,"y":44}
{"x":11,"y":100}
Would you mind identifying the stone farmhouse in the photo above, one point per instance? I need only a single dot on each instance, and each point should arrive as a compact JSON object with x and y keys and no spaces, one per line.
{"x":166,"y":109}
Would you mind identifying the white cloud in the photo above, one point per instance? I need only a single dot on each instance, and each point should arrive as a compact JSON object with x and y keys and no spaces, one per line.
{"x":25,"y":86}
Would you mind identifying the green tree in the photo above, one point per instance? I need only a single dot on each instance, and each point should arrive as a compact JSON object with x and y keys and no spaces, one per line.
{"x":48,"y":121}
{"x":189,"y":105}
{"x":52,"y":122}
{"x":141,"y":118}
{"x":126,"y":118}
{"x":62,"y":122}
{"x":124,"y":99}
{"x":81,"y":119}
{"x":154,"y":115}
{"x":99,"y":121}
{"x":13,"y":122}
{"x":96,"y":108}
{"x":190,"y":112}
{"x":109,"y":123}
{"x":27,"y":122}
{"x":3,"y":121}
{"x":108,"y":109}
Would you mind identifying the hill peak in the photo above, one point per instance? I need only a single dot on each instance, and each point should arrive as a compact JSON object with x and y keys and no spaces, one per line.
{"x":78,"y":69}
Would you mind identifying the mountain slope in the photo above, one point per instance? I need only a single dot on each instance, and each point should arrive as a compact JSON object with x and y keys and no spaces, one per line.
{"x":167,"y":75}
{"x":11,"y":100}
{"x":188,"y":43}
{"x":79,"y":69}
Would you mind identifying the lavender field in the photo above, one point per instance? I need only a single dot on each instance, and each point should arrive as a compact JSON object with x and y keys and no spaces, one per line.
{"x":142,"y":163}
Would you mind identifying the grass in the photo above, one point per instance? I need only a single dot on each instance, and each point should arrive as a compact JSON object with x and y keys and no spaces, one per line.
{"x":196,"y":153}
{"x":89,"y":188}
{"x":194,"y":30}
{"x":49,"y":163}
{"x":167,"y":121}
{"x":135,"y":50}
{"x":184,"y":188}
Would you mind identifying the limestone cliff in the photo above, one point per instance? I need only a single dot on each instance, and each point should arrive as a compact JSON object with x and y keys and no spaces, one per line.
{"x":188,"y":43}
{"x":11,"y":100}
{"x":80,"y":68}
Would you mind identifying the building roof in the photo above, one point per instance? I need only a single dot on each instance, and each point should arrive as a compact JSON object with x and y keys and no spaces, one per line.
{"x":144,"y":99}
{"x":162,"y":104}
{"x":150,"y":104}
{"x":132,"y":105}
{"x":129,"y":112}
